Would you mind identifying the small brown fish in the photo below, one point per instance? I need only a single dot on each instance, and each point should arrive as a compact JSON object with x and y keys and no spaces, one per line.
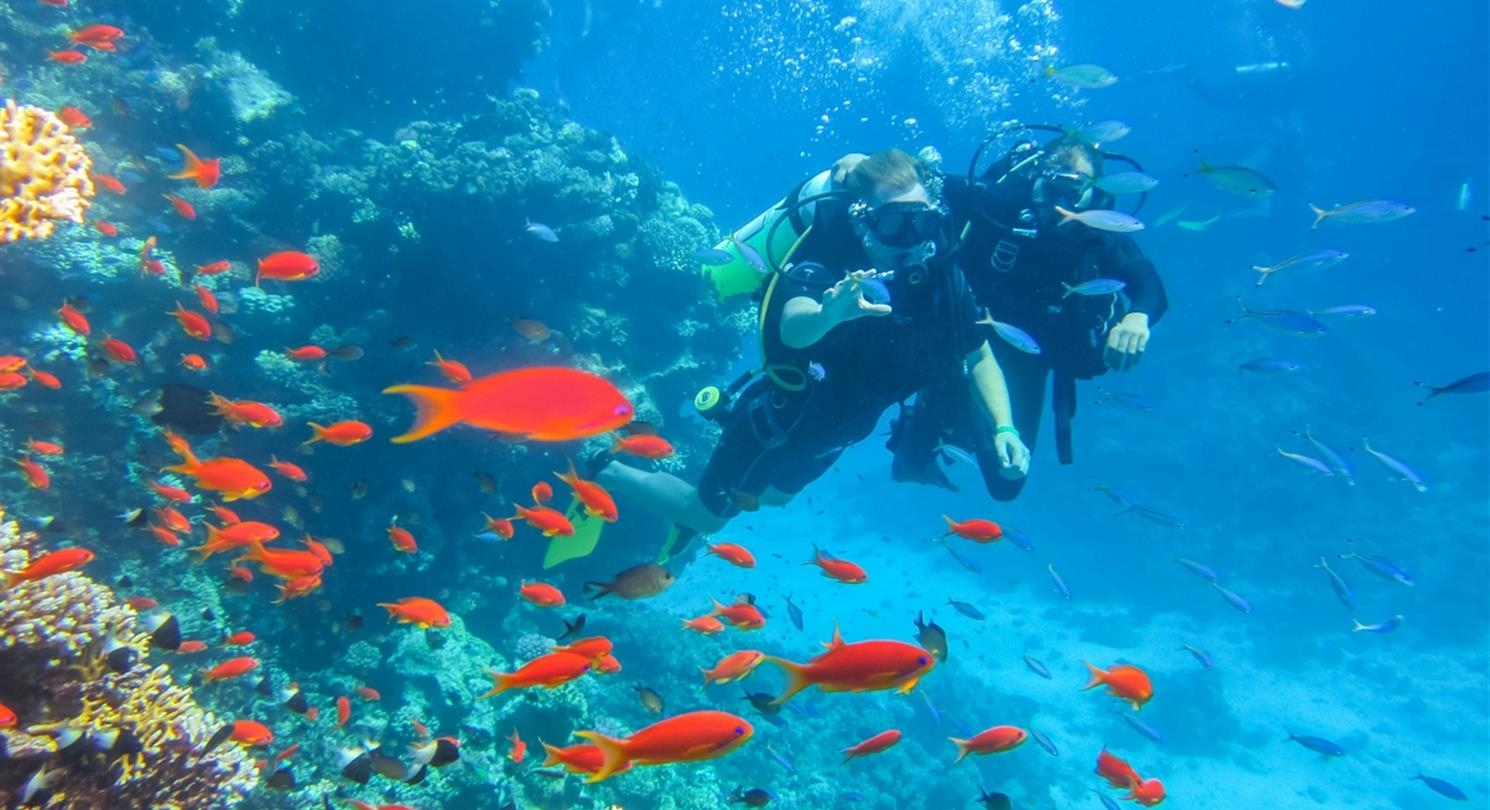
{"x":536,"y":331}
{"x":651,"y":701}
{"x":402,"y":342}
{"x":347,"y":352}
{"x":485,"y":482}
{"x":744,"y":500}
{"x":359,"y":489}
{"x":637,"y":582}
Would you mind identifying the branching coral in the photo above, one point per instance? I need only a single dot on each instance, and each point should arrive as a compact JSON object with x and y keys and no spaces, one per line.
{"x":43,"y":174}
{"x":112,"y":731}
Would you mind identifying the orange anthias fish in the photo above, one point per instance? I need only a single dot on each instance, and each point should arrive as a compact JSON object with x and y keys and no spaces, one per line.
{"x":43,"y":448}
{"x":645,"y":445}
{"x":10,"y":380}
{"x":343,"y":711}
{"x":549,"y":521}
{"x":68,"y":57}
{"x":110,"y":183}
{"x":735,"y":554}
{"x":290,"y":564}
{"x":288,"y":469}
{"x":864,"y":666}
{"x":741,"y":615}
{"x":43,"y":378}
{"x":1148,"y":793}
{"x":233,"y":478}
{"x":978,"y":530}
{"x":597,"y":501}
{"x":547,"y":671}
{"x":417,"y":610}
{"x":298,"y":587}
{"x":1116,"y":770}
{"x":501,"y":527}
{"x":236,"y":535}
{"x":37,"y":476}
{"x":519,"y":748}
{"x":207,"y":298}
{"x":119,"y":351}
{"x":530,"y":404}
{"x":542,"y":492}
{"x":107,"y":228}
{"x":341,"y":434}
{"x":402,"y":539}
{"x":246,"y":412}
{"x":995,"y":740}
{"x":182,"y":207}
{"x":251,"y":732}
{"x":689,"y":737}
{"x":591,"y":647}
{"x":204,"y":172}
{"x":74,"y":118}
{"x":213,"y":268}
{"x":707,"y":625}
{"x":306,"y":354}
{"x":541,"y":594}
{"x":231,"y":668}
{"x":882,"y":741}
{"x":733,"y":667}
{"x":50,"y":564}
{"x":194,"y":324}
{"x":368,"y":693}
{"x":581,"y":758}
{"x":74,"y":320}
{"x":454,"y":370}
{"x":193,"y":362}
{"x":239,"y":639}
{"x":834,"y":568}
{"x":1125,"y":682}
{"x":287,"y":265}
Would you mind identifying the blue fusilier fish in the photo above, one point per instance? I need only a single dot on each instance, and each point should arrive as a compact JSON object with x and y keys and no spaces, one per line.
{"x":1288,"y":321}
{"x":1097,"y":286}
{"x":1339,"y":585}
{"x":1382,"y":567}
{"x":794,"y":613}
{"x":1477,"y":383}
{"x":1012,"y":335}
{"x":853,"y":797}
{"x":1232,"y":598}
{"x":1402,"y":471}
{"x":1384,"y":627}
{"x":967,"y":610}
{"x":1308,"y":462}
{"x":1149,"y":732}
{"x":1019,"y":538}
{"x":1362,"y":212}
{"x":1038,"y":667}
{"x":1045,"y":742}
{"x":1314,"y":260}
{"x":1131,"y":401}
{"x":1126,"y":183}
{"x":931,"y":707}
{"x":1103,"y":132}
{"x":1148,"y":513}
{"x":1200,"y":655}
{"x":781,"y":760}
{"x":1443,"y":788}
{"x":1269,"y":365}
{"x":711,"y":255}
{"x":1060,"y":584}
{"x":541,"y":232}
{"x":1198,"y":569}
{"x":1108,"y":803}
{"x":1102,"y":219}
{"x":1348,"y":310}
{"x":1333,"y":457}
{"x":1318,"y":745}
{"x":751,"y":256}
{"x":962,"y":559}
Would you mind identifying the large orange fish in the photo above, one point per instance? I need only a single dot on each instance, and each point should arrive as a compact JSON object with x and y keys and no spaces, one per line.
{"x":995,"y":740}
{"x":689,"y":737}
{"x":233,"y":478}
{"x":204,"y":172}
{"x":1116,"y":770}
{"x":864,"y":666}
{"x":736,"y":554}
{"x":530,"y":404}
{"x":417,"y":610}
{"x":291,"y":564}
{"x":1124,"y":681}
{"x":977,"y":530}
{"x":251,"y":732}
{"x":541,"y":594}
{"x":342,"y":434}
{"x":287,"y":265}
{"x":547,"y":671}
{"x":742,"y":615}
{"x":246,"y":412}
{"x":880,"y":742}
{"x":597,"y":502}
{"x":50,"y":564}
{"x":231,"y":668}
{"x":581,"y":758}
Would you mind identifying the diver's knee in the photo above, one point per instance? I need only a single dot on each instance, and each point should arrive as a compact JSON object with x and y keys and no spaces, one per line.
{"x":1004,"y":489}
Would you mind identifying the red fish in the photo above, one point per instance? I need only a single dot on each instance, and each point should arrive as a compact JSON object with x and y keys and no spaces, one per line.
{"x":232,"y":477}
{"x":287,"y":265}
{"x":294,"y":588}
{"x":43,"y":448}
{"x":288,"y":469}
{"x":1116,"y":770}
{"x":343,"y":711}
{"x":319,"y":549}
{"x":251,"y":732}
{"x":541,"y":491}
{"x":37,"y":476}
{"x":194,"y":324}
{"x":1124,"y":681}
{"x":742,"y":615}
{"x":173,"y":519}
{"x":342,"y":434}
{"x":688,"y":737}
{"x":530,"y":404}
{"x":978,"y":530}
{"x":68,"y":57}
{"x":841,"y":570}
{"x":368,"y":693}
{"x":863,"y":666}
{"x":142,"y":603}
{"x":170,"y":493}
{"x":306,"y":354}
{"x":541,"y":594}
{"x":8,"y":717}
{"x":11,"y":362}
{"x":152,"y":267}
{"x":519,"y":748}
{"x":547,"y":671}
{"x":119,"y":351}
{"x":880,"y":742}
{"x":707,"y":625}
{"x":74,"y":320}
{"x":207,"y":298}
{"x":10,"y":381}
{"x":246,"y":412}
{"x":1148,"y":793}
{"x":240,"y":573}
{"x":204,"y":172}
{"x":995,"y":740}
{"x":225,"y":516}
{"x":645,"y":445}
{"x":578,"y":758}
{"x":96,"y":34}
{"x":598,"y":502}
{"x":110,"y":183}
{"x":50,"y":564}
{"x":591,"y":647}
{"x":549,"y":521}
{"x":165,"y":536}
{"x":193,"y":362}
{"x":289,"y":564}
{"x":45,"y":379}
{"x":106,"y":228}
{"x":733,"y":667}
{"x":239,"y":639}
{"x":74,"y":118}
{"x":454,"y":370}
{"x":735,"y":554}
{"x":182,"y":207}
{"x":402,"y":538}
{"x":191,"y":646}
{"x":417,"y":610}
{"x":502,"y":527}
{"x":214,"y":268}
{"x":231,"y":668}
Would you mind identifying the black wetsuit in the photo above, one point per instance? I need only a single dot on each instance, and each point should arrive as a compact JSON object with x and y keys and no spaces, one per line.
{"x":1016,"y":269}
{"x":785,"y":439}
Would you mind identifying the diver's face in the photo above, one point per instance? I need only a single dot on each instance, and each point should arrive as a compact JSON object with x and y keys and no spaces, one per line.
{"x":898,"y":226}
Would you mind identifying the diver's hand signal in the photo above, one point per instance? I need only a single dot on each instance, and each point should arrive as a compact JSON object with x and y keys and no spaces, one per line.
{"x":1127,"y":341}
{"x":845,"y":300}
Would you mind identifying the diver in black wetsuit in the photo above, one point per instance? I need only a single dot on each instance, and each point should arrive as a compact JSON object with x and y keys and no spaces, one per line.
{"x":869,"y":310}
{"x":1018,"y":260}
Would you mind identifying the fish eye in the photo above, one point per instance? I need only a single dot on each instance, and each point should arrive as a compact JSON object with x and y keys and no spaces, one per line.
{"x":622,"y":410}
{"x":739,"y":730}
{"x":922,"y":660}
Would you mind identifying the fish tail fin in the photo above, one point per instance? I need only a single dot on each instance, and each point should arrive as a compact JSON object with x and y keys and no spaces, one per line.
{"x":317,"y":433}
{"x":1098,"y":677}
{"x":1049,"y":71}
{"x":796,"y":678}
{"x":1319,"y":215}
{"x":553,"y":757}
{"x":601,"y":589}
{"x":501,"y":682}
{"x":962,"y":749}
{"x":1066,"y":216}
{"x":1264,"y":271}
{"x":1358,"y":626}
{"x":437,"y":409}
{"x":612,"y":749}
{"x":951,"y":525}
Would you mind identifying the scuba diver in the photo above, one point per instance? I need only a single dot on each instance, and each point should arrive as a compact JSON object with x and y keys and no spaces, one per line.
{"x":1022,"y":261}
{"x":861,"y":308}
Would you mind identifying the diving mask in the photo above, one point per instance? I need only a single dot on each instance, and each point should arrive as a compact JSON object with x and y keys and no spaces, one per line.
{"x":902,"y":224}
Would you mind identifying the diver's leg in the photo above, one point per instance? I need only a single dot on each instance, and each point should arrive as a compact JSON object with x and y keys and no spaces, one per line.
{"x":916,"y":434}
{"x":1025,"y":375}
{"x":663,"y":494}
{"x":775,"y":497}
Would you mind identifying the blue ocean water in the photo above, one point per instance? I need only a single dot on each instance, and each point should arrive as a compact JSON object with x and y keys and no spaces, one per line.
{"x":408,"y":147}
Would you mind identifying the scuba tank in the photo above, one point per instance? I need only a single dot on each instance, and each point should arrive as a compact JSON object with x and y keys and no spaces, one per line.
{"x":761,"y":246}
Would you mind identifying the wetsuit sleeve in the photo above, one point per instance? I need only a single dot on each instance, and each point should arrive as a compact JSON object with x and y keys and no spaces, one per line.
{"x":965,"y":307}
{"x":1122,"y":259}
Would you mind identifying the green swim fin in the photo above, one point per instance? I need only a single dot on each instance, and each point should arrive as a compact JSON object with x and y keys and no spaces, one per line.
{"x":587,"y":529}
{"x":678,"y":538}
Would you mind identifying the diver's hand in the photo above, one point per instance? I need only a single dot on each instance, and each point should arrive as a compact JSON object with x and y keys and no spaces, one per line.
{"x":846,"y":164}
{"x":845,"y":301}
{"x":1127,"y":341}
{"x":1014,"y":457}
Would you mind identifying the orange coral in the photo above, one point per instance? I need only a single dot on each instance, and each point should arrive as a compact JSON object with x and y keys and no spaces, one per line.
{"x":44,"y":174}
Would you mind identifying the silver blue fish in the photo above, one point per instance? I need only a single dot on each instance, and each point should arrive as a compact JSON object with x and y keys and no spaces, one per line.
{"x":1019,"y":539}
{"x":967,"y":610}
{"x":794,"y":613}
{"x":1103,"y":132}
{"x":1126,"y":183}
{"x":1333,"y":457}
{"x":1477,"y":383}
{"x":1313,"y":260}
{"x":955,"y":453}
{"x":1096,"y":286}
{"x":1288,"y":321}
{"x":1363,"y":212}
{"x":874,"y":291}
{"x":1443,"y":788}
{"x":1060,"y":584}
{"x":1382,"y":567}
{"x":1201,"y":570}
{"x":1088,"y":77}
{"x":1232,"y":598}
{"x":781,"y":760}
{"x":751,"y":256}
{"x":1147,"y":731}
{"x":962,"y":559}
{"x":1102,"y":219}
{"x":1131,"y":401}
{"x":1348,"y":310}
{"x":1013,"y":335}
{"x":1402,"y":471}
{"x":1269,"y":365}
{"x":1108,"y":803}
{"x":1044,"y":742}
{"x":1387,"y":626}
{"x":1236,"y":179}
{"x":1318,"y":745}
{"x":1201,"y":656}
{"x":713,"y":256}
{"x":1309,"y":462}
{"x":1343,"y":593}
{"x":1038,"y":667}
{"x":541,"y":232}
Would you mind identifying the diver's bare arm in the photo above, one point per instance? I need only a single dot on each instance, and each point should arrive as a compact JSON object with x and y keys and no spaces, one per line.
{"x":993,"y":392}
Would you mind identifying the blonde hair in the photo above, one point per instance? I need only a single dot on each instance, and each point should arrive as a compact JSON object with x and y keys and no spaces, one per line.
{"x":884,"y":174}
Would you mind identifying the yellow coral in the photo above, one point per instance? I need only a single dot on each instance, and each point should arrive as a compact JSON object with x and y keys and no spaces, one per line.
{"x":44,"y":174}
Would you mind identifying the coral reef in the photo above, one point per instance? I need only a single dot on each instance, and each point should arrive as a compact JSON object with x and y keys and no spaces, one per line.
{"x":43,"y":174}
{"x":111,"y":730}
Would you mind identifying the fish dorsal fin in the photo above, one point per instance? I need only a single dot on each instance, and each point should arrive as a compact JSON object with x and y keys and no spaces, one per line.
{"x":837,"y":639}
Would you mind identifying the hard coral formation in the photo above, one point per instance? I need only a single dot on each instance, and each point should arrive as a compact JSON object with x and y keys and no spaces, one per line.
{"x":43,"y":174}
{"x":57,"y":674}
